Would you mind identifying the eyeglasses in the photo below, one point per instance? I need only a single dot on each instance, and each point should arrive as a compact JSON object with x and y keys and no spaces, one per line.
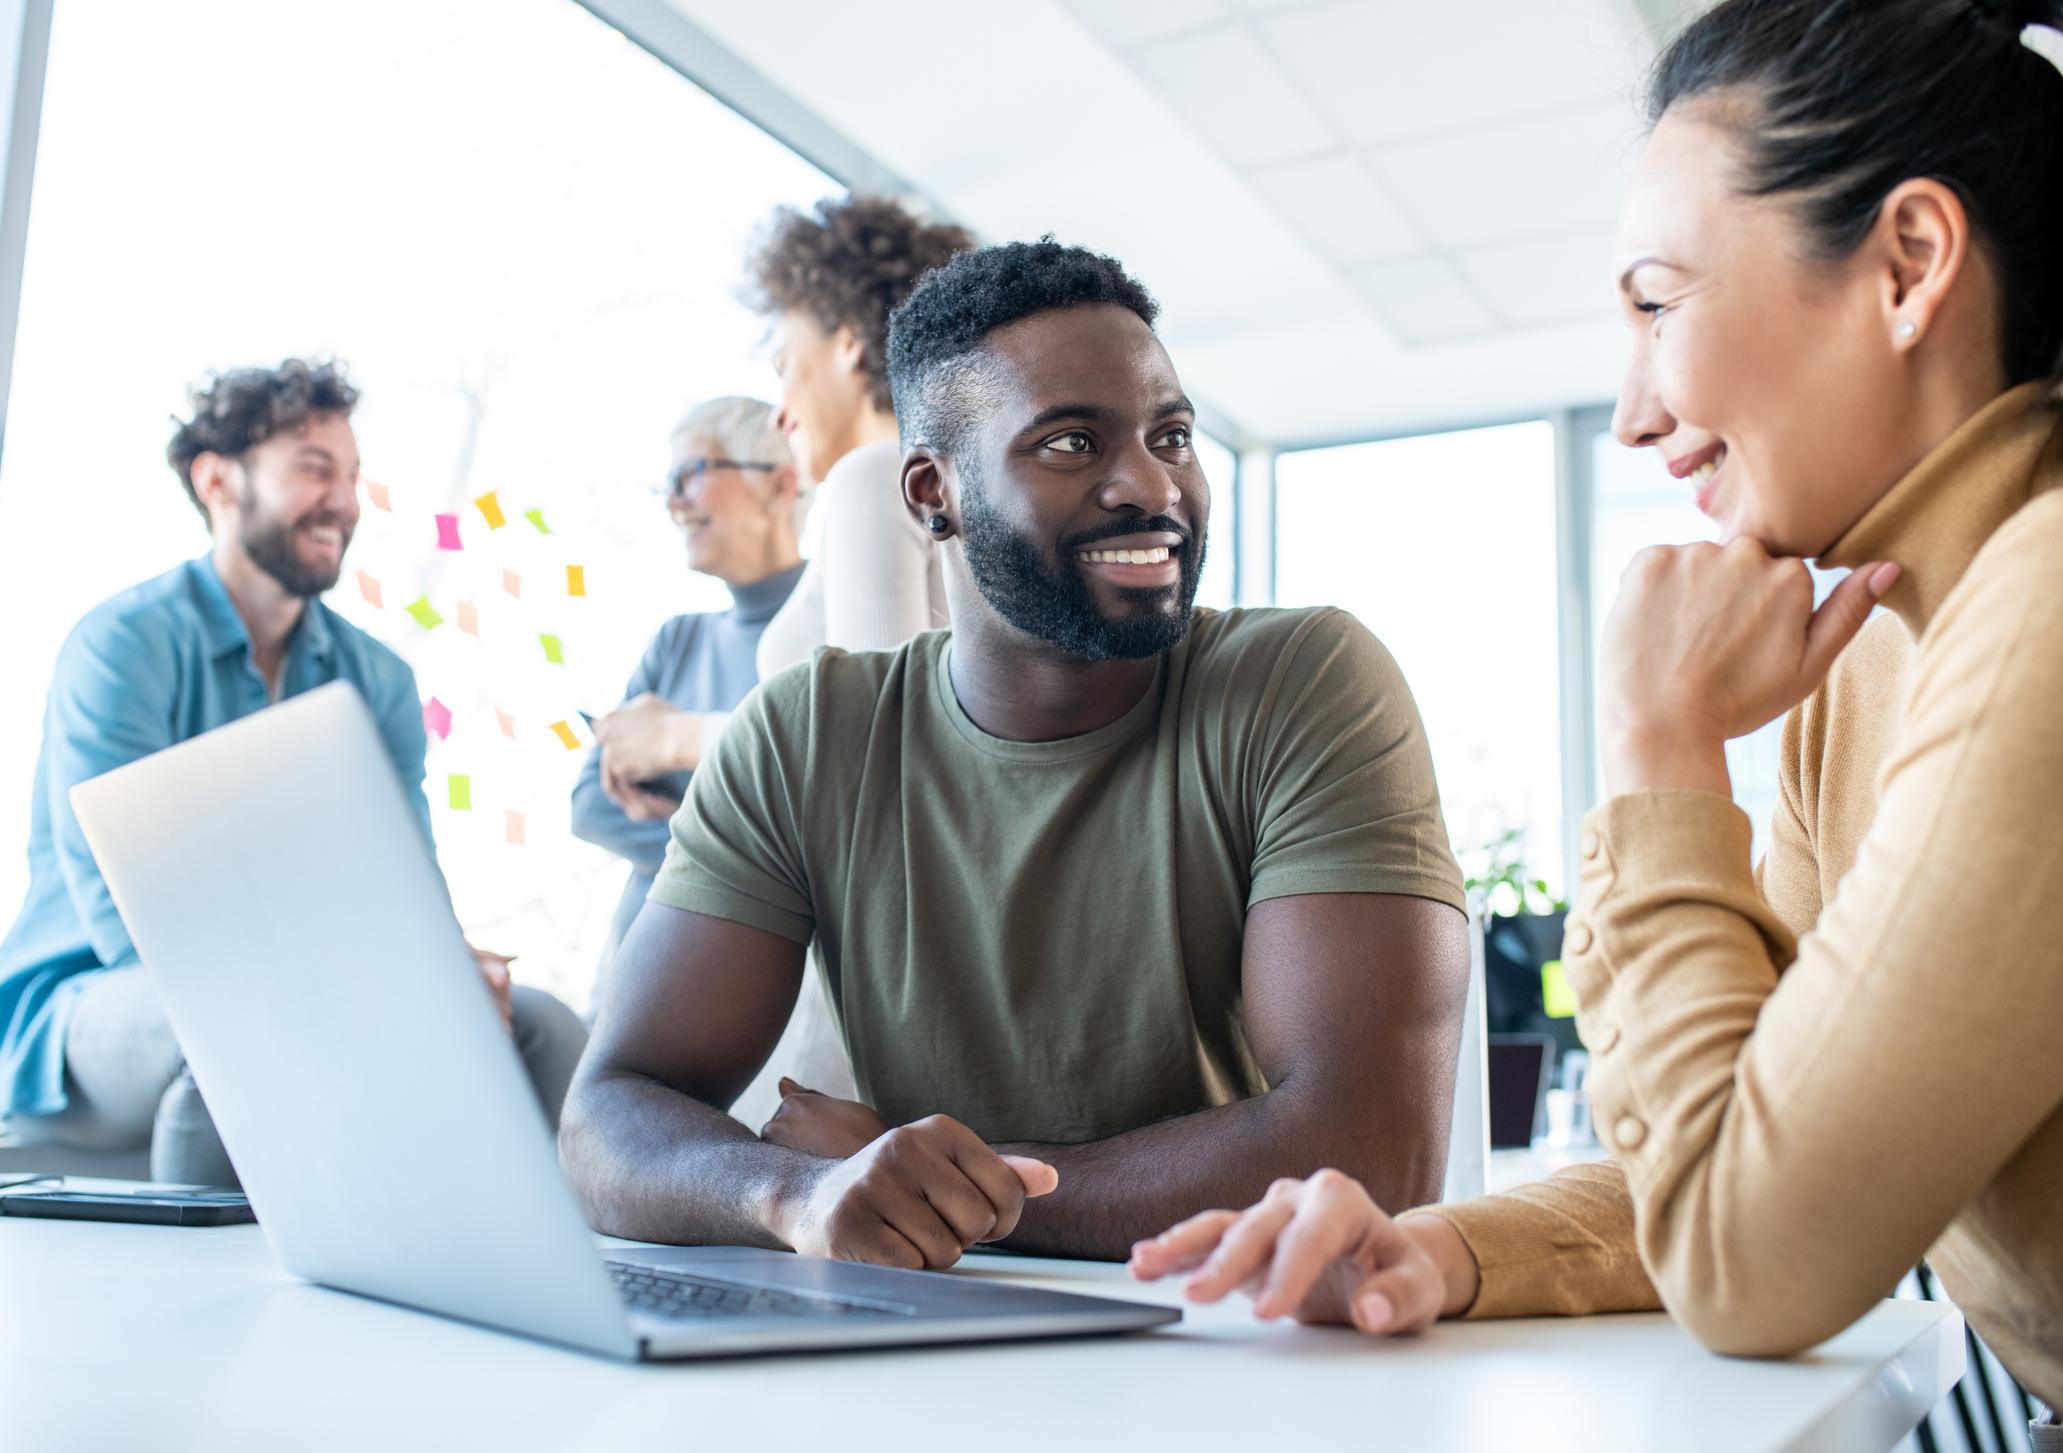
{"x":690,"y":471}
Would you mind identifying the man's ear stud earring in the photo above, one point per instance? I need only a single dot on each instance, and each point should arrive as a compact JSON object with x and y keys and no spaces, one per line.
{"x":938,"y":525}
{"x":1908,"y":328}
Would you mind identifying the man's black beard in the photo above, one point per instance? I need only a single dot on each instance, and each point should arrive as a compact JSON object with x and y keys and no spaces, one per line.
{"x":270,"y":544}
{"x":1053,"y":603}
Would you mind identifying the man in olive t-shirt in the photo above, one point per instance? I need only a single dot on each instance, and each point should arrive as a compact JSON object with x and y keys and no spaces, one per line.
{"x":1124,"y":909}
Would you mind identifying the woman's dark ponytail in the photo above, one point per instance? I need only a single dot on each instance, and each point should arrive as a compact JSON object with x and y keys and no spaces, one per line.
{"x":1845,"y":99}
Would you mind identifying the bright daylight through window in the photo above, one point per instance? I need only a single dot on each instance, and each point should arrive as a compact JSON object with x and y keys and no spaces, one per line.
{"x":1443,"y":545}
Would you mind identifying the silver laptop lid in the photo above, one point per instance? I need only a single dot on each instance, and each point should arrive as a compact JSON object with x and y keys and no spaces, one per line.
{"x":278,"y":889}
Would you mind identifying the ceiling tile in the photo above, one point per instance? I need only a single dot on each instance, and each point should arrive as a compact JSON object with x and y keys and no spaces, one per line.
{"x":1128,"y":22}
{"x":1548,"y":176}
{"x":1558,"y":280}
{"x":1423,"y":300}
{"x":1232,"y":96}
{"x":1386,"y":71}
{"x":1336,"y":206}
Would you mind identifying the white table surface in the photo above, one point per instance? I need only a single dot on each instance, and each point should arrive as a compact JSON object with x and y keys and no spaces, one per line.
{"x":164,"y":1338}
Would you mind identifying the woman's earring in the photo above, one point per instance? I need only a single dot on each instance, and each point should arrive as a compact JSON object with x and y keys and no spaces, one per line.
{"x":938,"y":525}
{"x":1907,"y":328}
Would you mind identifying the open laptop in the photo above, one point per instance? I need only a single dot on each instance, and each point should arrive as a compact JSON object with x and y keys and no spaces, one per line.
{"x":277,"y":886}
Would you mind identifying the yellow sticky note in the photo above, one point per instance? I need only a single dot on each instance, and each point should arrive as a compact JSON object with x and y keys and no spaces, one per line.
{"x":425,"y":614}
{"x":469,"y":618}
{"x":576,"y":580}
{"x":1556,"y":997}
{"x":461,"y":793}
{"x":514,"y":827}
{"x":508,"y":723}
{"x":553,"y":652}
{"x":490,"y":510}
{"x":564,"y":732}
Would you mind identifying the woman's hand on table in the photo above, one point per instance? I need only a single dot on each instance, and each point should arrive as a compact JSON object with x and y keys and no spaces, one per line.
{"x":1320,"y":1250}
{"x":1709,"y":642}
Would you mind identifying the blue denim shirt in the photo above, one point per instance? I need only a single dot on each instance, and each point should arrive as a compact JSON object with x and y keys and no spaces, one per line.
{"x":161,"y":662}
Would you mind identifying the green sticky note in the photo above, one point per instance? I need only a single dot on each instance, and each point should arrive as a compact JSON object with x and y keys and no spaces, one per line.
{"x":536,"y":517}
{"x":552,"y":651}
{"x":1556,"y":997}
{"x":461,"y":793}
{"x":425,"y":614}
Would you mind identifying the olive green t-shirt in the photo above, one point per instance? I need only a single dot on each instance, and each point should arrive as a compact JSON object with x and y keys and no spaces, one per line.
{"x":1042,"y":939}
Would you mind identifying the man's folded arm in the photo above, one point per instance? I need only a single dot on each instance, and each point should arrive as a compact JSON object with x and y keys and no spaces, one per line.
{"x":695,"y":1005}
{"x":1353,"y":1006}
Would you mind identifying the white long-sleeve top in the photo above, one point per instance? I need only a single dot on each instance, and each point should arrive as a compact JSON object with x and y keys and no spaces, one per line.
{"x":875,"y":581}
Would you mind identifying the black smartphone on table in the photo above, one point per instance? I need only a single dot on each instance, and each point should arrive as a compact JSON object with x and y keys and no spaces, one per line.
{"x":147,"y":1205}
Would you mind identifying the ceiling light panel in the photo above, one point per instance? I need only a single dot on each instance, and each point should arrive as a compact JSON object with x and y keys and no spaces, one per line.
{"x":1391,"y":69}
{"x":1234,"y":97}
{"x":1337,"y":207}
{"x":1551,"y":176}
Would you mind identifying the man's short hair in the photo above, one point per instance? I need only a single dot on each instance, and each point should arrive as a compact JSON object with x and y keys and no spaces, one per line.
{"x":235,"y":411}
{"x":935,"y":358}
{"x":846,"y":263}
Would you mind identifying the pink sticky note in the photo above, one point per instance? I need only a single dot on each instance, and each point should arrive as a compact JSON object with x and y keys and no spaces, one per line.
{"x":512,"y":583}
{"x":469,"y":618}
{"x":447,"y":533}
{"x":437,"y":719}
{"x":381,"y":500}
{"x":508,"y":723}
{"x":515,"y":827}
{"x":369,"y":588}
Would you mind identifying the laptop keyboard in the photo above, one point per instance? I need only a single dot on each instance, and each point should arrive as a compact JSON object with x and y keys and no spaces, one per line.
{"x":673,"y":1296}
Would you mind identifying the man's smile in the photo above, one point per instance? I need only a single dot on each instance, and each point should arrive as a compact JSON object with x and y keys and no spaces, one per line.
{"x":1142,"y":560}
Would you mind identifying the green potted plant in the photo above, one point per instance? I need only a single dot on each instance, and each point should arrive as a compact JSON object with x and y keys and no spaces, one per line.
{"x":1522,"y":939}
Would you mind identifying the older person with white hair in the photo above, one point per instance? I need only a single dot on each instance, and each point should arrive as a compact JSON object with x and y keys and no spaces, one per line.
{"x":734,"y":494}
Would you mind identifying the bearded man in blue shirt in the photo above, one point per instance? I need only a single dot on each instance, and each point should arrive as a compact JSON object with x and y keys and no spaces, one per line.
{"x":87,"y":1057}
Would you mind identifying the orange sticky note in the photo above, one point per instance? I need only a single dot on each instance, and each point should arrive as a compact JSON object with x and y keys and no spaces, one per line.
{"x":564,"y":732}
{"x":508,"y":723}
{"x":512,"y":583}
{"x":576,"y":580}
{"x":515,"y":826}
{"x":381,"y":500}
{"x":469,"y":618}
{"x":490,"y":510}
{"x":369,"y":588}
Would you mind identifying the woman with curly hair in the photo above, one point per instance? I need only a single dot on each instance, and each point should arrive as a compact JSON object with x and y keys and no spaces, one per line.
{"x":828,"y":279}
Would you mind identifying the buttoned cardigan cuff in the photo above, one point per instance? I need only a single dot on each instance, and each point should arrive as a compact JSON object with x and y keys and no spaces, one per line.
{"x":1677,"y":838}
{"x":1518,"y":1269}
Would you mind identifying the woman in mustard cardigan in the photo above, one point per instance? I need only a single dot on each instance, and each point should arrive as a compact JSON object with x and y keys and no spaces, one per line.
{"x":1842,"y":264}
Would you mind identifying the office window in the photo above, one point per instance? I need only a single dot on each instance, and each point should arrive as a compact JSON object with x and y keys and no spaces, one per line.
{"x":522,"y":233}
{"x":1221,"y":468}
{"x":1444,"y":546}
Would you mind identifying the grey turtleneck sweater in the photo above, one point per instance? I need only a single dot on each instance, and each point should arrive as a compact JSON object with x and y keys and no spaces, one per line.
{"x":703,"y":662}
